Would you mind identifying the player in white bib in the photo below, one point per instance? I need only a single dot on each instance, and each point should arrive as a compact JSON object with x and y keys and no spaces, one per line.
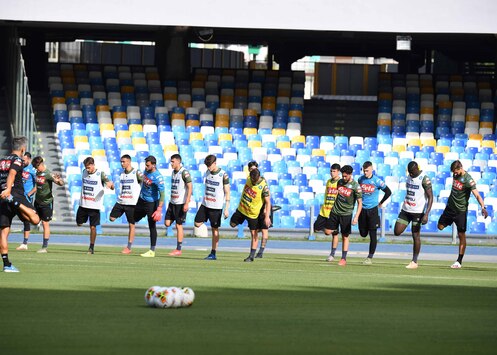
{"x":129,"y":191}
{"x":415,"y":209}
{"x":181,"y":192}
{"x":217,"y":192}
{"x":92,"y":198}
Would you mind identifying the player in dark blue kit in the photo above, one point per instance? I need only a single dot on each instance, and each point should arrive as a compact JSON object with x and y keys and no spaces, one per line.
{"x":369,"y":220}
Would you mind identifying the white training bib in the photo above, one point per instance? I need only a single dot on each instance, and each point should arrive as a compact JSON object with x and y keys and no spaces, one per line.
{"x":415,"y":199}
{"x":214,"y":190}
{"x":130,"y":188}
{"x":92,"y":192}
{"x":178,"y":190}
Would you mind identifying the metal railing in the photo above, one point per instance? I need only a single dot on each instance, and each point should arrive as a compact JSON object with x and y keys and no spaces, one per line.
{"x":22,"y":117}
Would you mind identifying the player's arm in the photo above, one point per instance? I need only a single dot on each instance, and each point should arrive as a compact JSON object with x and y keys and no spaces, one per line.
{"x":387,"y":194}
{"x":57,"y":179}
{"x":227,"y":195}
{"x":10,"y":182}
{"x":189,"y":189}
{"x":139,"y":176}
{"x":359,"y":210}
{"x":33,"y":190}
{"x":480,"y":201}
{"x":429,"y":203}
{"x":106,"y":181}
{"x":267,"y":208}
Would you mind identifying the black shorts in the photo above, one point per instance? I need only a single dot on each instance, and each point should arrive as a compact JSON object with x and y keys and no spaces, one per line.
{"x":238,"y":218}
{"x":144,"y":208}
{"x":450,"y":216}
{"x":175,"y":213}
{"x":8,"y":211}
{"x":320,"y":224}
{"x":84,"y":214}
{"x":344,"y":222}
{"x":212,"y":215}
{"x":408,"y":217}
{"x":45,"y":211}
{"x":118,"y":210}
{"x":369,"y":219}
{"x":261,"y":218}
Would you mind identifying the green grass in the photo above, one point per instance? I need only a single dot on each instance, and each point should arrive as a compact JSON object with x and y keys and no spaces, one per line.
{"x":67,"y":302}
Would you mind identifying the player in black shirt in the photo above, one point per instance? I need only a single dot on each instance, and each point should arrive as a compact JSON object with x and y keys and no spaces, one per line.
{"x":12,"y":199}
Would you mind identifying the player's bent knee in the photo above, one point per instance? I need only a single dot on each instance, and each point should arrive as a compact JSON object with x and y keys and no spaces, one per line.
{"x":363,"y":232}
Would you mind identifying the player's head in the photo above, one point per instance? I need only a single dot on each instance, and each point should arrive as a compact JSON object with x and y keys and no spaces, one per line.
{"x":26,"y":158}
{"x":367,"y":168}
{"x":210,"y":162}
{"x":125,"y":161}
{"x":456,"y":168}
{"x":335,"y":171}
{"x":19,"y":144}
{"x":176,"y":161}
{"x":89,"y":164}
{"x":347,"y":171}
{"x":255,"y":175}
{"x":38,"y":164}
{"x":252,"y":165}
{"x":413,"y":169}
{"x":150,"y":163}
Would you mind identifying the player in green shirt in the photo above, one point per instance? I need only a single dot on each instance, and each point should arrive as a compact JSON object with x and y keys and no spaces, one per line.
{"x":44,"y":197}
{"x":349,"y":192}
{"x":457,"y":206}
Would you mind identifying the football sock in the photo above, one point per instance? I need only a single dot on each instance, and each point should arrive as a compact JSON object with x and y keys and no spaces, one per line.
{"x":25,"y":241}
{"x":152,"y":247}
{"x":415,"y":258}
{"x":333,"y":250}
{"x":5,"y":259}
{"x":373,"y":241}
{"x":261,"y":249}
{"x":92,"y":246}
{"x":213,"y":252}
{"x":459,"y":259}
{"x":129,"y":245}
{"x":370,"y":256}
{"x":252,"y":252}
{"x":178,"y":245}
{"x":45,"y":243}
{"x":344,"y":255}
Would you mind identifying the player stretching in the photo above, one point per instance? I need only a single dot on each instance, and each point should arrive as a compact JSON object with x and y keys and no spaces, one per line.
{"x":12,"y":199}
{"x":369,"y":219}
{"x":415,"y":209}
{"x":151,"y":201}
{"x":255,"y":195}
{"x":129,"y":191}
{"x":181,"y":192}
{"x":330,"y":195}
{"x":29,"y":181}
{"x":456,"y":210}
{"x":217,"y":191}
{"x":92,"y":198}
{"x":349,"y":192}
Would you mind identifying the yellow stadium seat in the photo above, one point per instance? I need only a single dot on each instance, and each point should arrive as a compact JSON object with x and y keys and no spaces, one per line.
{"x":58,"y":100}
{"x":196,"y":136}
{"x":127,"y":89}
{"x":135,"y":128}
{"x":152,"y":76}
{"x":472,"y":118}
{"x":170,"y":96}
{"x":384,"y":122}
{"x":226,"y":104}
{"x":248,"y":131}
{"x":83,"y":139}
{"x":254,"y":144}
{"x":249,"y":112}
{"x":138,"y":140}
{"x":298,"y":139}
{"x":385,"y":96}
{"x":184,"y":103}
{"x":177,"y":116}
{"x":98,"y":153}
{"x":426,"y":110}
{"x":222,"y":117}
{"x":443,"y":104}
{"x":283,"y":144}
{"x":269,"y":99}
{"x":225,"y":137}
{"x":295,"y":113}
{"x":269,"y":106}
{"x":318,"y":153}
{"x":222,"y":124}
{"x":198,"y":84}
{"x":68,"y":80}
{"x":414,"y":142}
{"x":426,"y":90}
{"x":284,"y":93}
{"x":123,"y":134}
{"x":170,"y":148}
{"x":102,"y":108}
{"x":399,"y":148}
{"x":241,"y":92}
{"x":430,"y":142}
{"x":486,"y":125}
{"x":192,"y":123}
{"x":442,"y":149}
{"x":488,"y":143}
{"x":118,"y":114}
{"x":476,"y":137}
{"x":71,"y":94}
{"x":278,"y":132}
{"x":106,"y":127}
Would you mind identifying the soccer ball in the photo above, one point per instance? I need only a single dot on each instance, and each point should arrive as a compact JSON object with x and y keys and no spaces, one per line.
{"x":177,"y":296}
{"x":188,"y":297}
{"x":149,"y":295}
{"x":163,"y":298}
{"x":201,"y":231}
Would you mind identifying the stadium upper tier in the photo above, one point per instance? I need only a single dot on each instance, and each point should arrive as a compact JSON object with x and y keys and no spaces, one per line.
{"x":242,"y":115}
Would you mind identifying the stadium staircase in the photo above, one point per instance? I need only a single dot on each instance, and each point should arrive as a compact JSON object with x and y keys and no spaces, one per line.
{"x":49,"y":149}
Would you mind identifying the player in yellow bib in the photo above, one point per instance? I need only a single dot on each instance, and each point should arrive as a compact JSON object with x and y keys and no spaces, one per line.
{"x":255,"y":195}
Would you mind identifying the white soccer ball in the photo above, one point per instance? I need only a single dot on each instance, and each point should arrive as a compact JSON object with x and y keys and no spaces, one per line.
{"x":201,"y":231}
{"x":149,"y":295}
{"x":177,"y":296}
{"x":163,"y":298}
{"x":188,"y":297}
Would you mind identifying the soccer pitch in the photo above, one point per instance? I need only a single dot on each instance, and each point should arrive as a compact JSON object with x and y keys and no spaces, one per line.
{"x":67,"y":302}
